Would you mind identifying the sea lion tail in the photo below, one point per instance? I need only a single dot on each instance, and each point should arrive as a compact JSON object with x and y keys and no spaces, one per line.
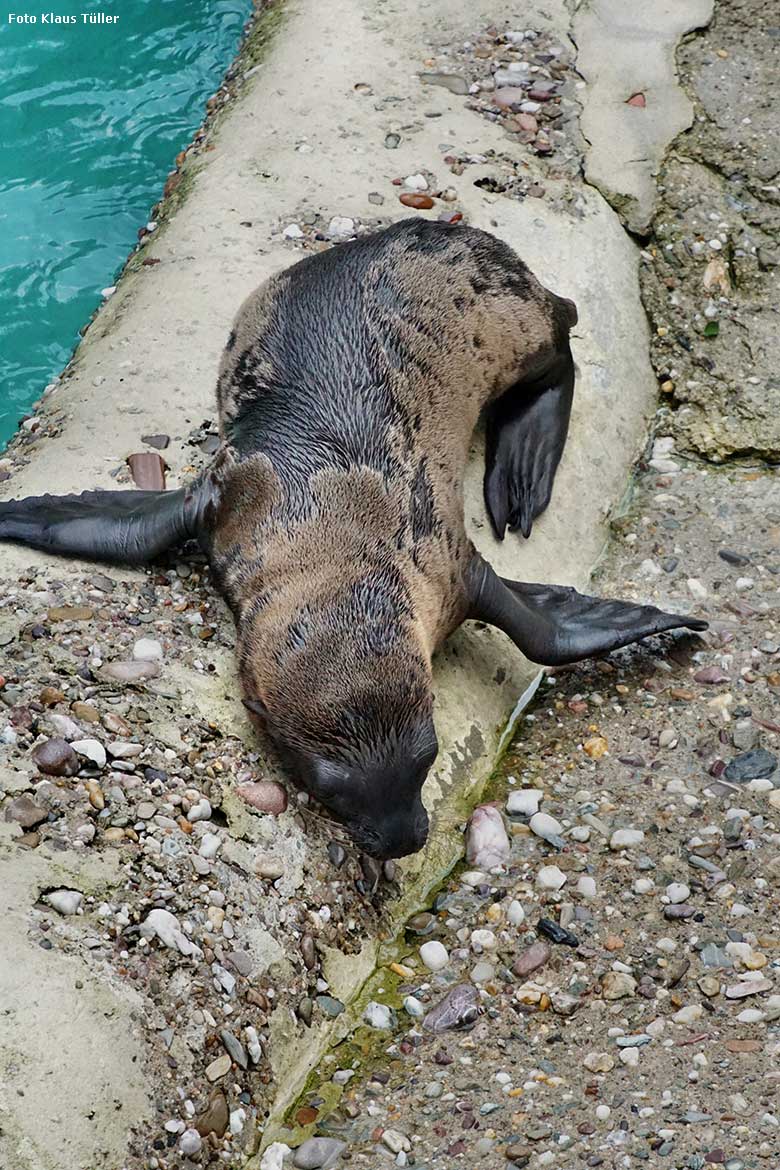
{"x":124,"y":527}
{"x":555,"y":625}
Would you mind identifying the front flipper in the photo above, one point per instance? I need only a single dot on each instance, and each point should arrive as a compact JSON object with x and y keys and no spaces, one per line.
{"x":554,"y":624}
{"x":525,"y":436}
{"x":126,"y":527}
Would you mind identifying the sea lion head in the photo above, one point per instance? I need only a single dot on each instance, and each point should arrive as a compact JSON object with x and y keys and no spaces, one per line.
{"x":343,"y":690}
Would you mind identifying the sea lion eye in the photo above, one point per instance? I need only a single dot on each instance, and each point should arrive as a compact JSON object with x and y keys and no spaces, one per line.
{"x":328,"y":778}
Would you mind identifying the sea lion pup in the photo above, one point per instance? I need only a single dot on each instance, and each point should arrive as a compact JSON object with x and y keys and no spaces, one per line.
{"x":332,"y":516}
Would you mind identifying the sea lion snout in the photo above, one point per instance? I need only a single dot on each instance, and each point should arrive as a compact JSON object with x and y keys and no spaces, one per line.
{"x":380,"y":807}
{"x":399,"y":834}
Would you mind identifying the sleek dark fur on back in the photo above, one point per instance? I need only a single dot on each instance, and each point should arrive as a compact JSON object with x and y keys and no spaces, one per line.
{"x":332,"y":515}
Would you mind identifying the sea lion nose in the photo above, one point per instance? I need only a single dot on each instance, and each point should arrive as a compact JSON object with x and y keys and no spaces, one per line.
{"x":403,"y":835}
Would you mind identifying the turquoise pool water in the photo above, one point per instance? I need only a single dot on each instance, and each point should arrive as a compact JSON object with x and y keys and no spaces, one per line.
{"x":91,"y":119}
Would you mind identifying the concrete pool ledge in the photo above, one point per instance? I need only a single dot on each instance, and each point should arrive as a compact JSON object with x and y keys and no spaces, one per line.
{"x":301,"y":138}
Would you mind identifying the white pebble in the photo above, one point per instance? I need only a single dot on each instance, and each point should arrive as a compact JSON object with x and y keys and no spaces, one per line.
{"x":643,"y":885}
{"x":65,"y":901}
{"x":396,"y":1141}
{"x":148,"y":650}
{"x":414,"y":1008}
{"x":341,"y":227}
{"x":200,"y":811}
{"x":416,"y":182}
{"x":292,"y":232}
{"x":190,"y":1142}
{"x":515,"y":913}
{"x":92,"y":750}
{"x":550,"y":877}
{"x":210,"y":845}
{"x":237,"y":1120}
{"x":274,"y":1156}
{"x":696,"y":588}
{"x":629,"y":1057}
{"x":750,"y":1016}
{"x":626,"y":838}
{"x":253,"y":1045}
{"x":434,"y":955}
{"x":689,"y":1014}
{"x":603,"y":1112}
{"x":484,"y":940}
{"x":545,"y":826}
{"x":677,"y":892}
{"x":165,"y":926}
{"x":586,"y":885}
{"x":378,"y":1015}
{"x":524,"y":802}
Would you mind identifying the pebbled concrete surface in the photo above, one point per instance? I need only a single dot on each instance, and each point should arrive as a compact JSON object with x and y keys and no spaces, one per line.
{"x":72,"y":1055}
{"x":625,"y":52}
{"x":301,"y":136}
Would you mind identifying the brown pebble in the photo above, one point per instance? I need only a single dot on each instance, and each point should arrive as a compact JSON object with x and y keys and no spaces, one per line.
{"x":527,"y":122}
{"x":531,"y":960}
{"x":113,"y":723}
{"x":130,"y":672}
{"x":49,"y":696}
{"x":637,"y":99}
{"x":509,"y":96}
{"x":86,"y":712}
{"x":595,"y":747}
{"x":147,"y":470}
{"x":709,"y":985}
{"x":269,"y":867}
{"x":55,"y":757}
{"x":414,"y":199}
{"x":264,"y":795}
{"x":743,"y":1045}
{"x":306,"y":1115}
{"x":753,"y":987}
{"x":711,"y":675}
{"x":215,"y":1118}
{"x":25,"y":812}
{"x":95,"y":794}
{"x":21,"y":717}
{"x":309,"y":952}
{"x":70,"y":613}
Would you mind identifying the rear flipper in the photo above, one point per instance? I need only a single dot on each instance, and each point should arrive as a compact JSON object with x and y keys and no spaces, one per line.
{"x":555,"y":625}
{"x":126,"y":527}
{"x":526,"y":434}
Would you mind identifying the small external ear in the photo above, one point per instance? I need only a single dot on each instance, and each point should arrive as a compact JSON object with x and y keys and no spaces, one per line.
{"x":256,"y":707}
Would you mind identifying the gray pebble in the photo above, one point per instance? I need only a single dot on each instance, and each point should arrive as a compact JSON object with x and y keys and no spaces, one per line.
{"x":318,"y":1153}
{"x":234,"y":1048}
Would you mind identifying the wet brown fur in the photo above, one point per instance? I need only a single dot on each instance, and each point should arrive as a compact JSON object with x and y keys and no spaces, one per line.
{"x":447,"y":328}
